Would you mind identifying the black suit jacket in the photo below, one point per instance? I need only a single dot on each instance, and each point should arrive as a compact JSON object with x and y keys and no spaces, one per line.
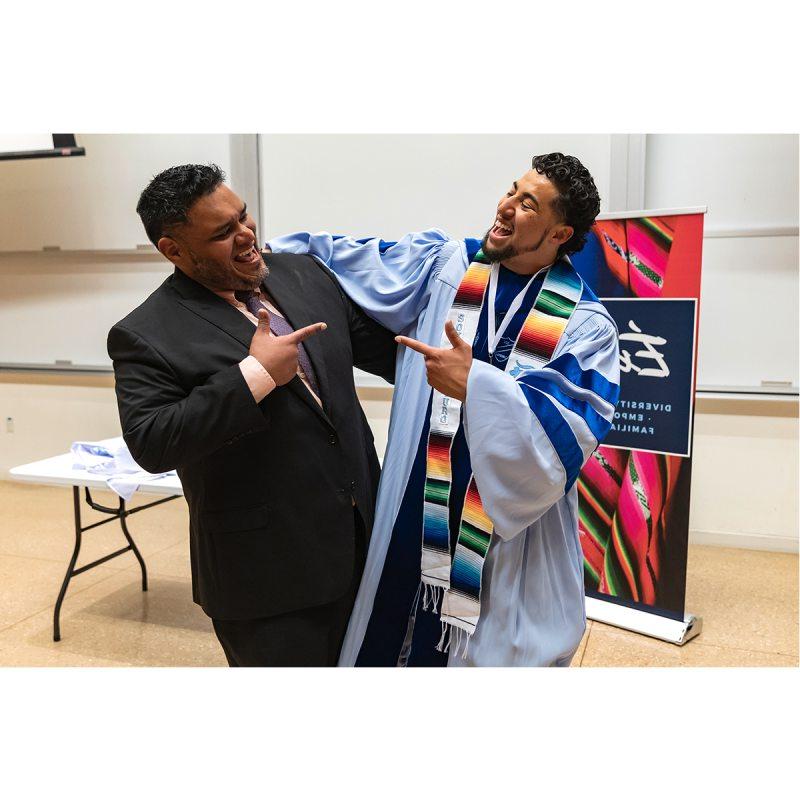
{"x":270,"y":486}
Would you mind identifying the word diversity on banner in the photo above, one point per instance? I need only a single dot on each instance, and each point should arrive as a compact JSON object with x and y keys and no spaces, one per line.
{"x":634,"y":490}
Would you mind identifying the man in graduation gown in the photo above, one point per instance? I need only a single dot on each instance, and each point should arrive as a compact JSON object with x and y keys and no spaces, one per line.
{"x":475,"y":557}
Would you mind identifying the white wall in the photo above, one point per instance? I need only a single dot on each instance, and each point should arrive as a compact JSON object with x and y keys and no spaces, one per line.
{"x":745,"y":477}
{"x":42,"y":415}
{"x":388,"y":185}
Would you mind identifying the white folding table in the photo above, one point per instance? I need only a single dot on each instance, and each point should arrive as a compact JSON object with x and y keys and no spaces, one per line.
{"x":59,"y":471}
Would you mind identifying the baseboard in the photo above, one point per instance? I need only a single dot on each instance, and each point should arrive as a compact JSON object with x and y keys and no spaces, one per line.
{"x":745,"y":541}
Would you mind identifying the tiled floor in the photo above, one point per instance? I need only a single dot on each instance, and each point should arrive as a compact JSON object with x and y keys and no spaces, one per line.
{"x":748,"y":599}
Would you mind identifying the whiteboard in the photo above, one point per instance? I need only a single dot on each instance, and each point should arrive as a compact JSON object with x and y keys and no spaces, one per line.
{"x":388,"y":185}
{"x":89,"y":203}
{"x":59,"y":306}
{"x":748,"y":312}
{"x":748,"y":307}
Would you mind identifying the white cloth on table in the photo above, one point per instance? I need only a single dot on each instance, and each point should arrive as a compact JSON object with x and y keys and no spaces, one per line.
{"x":112,"y":459}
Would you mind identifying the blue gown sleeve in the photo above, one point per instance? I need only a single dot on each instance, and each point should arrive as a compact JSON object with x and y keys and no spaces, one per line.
{"x":529,"y":436}
{"x":391,"y":281}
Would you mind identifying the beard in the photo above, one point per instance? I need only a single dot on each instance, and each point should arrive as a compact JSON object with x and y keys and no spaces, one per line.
{"x":500,"y":254}
{"x":221,"y":276}
{"x":496,"y":254}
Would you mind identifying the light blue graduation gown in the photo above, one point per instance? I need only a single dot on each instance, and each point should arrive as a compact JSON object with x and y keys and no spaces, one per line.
{"x":523,"y":457}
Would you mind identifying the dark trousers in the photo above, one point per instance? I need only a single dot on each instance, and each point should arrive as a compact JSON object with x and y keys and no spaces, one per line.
{"x":310,"y":637}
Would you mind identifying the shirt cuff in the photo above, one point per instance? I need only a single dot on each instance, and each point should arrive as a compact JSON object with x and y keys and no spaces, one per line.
{"x":257,"y":378}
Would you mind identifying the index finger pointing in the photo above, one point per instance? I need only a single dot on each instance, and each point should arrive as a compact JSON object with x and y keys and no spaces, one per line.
{"x":420,"y":347}
{"x":304,"y":333}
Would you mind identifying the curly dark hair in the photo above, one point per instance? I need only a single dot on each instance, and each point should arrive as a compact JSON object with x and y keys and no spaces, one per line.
{"x":578,"y":202}
{"x":166,"y":200}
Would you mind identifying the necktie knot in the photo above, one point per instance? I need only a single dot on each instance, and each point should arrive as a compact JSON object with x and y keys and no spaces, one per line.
{"x":250,"y":299}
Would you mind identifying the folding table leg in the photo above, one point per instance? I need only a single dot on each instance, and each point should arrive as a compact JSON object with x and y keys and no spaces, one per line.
{"x":76,"y":502}
{"x":133,"y":546}
{"x":121,"y":513}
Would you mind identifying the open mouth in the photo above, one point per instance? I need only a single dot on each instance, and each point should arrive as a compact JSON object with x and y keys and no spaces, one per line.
{"x":500,"y":231}
{"x":249,"y":257}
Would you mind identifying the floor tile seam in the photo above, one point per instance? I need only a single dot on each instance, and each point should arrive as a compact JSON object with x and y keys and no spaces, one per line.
{"x":750,"y":651}
{"x":160,"y":550}
{"x":51,"y":606}
{"x":786,"y":595}
{"x":705,"y":644}
{"x":678,"y":663}
{"x":755,"y":650}
{"x":698,"y":642}
{"x":4,"y":554}
{"x":167,"y":547}
{"x":119,"y":569}
{"x":154,"y":574}
{"x":610,"y":630}
{"x":606,"y":627}
{"x":57,"y":561}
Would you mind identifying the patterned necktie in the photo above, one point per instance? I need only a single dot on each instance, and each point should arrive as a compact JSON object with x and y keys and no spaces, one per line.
{"x":280,"y":327}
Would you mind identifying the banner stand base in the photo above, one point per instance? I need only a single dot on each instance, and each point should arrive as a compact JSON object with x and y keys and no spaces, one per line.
{"x":668,"y":630}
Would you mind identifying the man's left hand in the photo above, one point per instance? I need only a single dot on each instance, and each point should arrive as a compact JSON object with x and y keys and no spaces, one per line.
{"x":448,"y":368}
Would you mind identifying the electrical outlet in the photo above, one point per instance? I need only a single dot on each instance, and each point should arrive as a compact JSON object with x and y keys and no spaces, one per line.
{"x":9,"y":424}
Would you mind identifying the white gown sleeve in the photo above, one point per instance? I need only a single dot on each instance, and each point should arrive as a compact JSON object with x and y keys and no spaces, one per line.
{"x":390,"y":281}
{"x":529,"y":437}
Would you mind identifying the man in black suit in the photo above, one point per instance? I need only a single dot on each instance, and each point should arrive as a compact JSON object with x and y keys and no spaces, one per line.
{"x":238,"y":372}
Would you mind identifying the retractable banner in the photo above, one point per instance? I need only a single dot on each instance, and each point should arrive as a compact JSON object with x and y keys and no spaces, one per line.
{"x":634,"y":490}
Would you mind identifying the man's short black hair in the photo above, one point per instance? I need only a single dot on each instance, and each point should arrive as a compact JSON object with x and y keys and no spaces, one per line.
{"x":578,"y":202}
{"x":169,"y":196}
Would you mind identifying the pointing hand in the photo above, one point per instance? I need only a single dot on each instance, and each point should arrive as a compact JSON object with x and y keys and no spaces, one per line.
{"x":278,"y":354}
{"x":448,"y":368}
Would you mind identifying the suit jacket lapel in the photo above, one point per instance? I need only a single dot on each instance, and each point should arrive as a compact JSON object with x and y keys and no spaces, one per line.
{"x":214,"y":309}
{"x":232,"y":322}
{"x":294,"y":307}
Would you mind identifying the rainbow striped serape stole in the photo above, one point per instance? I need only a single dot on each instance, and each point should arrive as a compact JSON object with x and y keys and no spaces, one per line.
{"x":537,"y":341}
{"x":445,"y":419}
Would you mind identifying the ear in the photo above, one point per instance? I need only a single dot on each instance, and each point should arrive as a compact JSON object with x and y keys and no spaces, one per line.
{"x":169,"y":248}
{"x":563,"y":233}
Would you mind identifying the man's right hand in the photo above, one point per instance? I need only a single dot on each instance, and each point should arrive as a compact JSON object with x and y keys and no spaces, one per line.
{"x":278,"y":354}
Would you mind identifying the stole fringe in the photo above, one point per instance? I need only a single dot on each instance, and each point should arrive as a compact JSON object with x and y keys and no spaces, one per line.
{"x":444,"y":642}
{"x":467,"y":638}
{"x":432,"y":597}
{"x":457,"y":637}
